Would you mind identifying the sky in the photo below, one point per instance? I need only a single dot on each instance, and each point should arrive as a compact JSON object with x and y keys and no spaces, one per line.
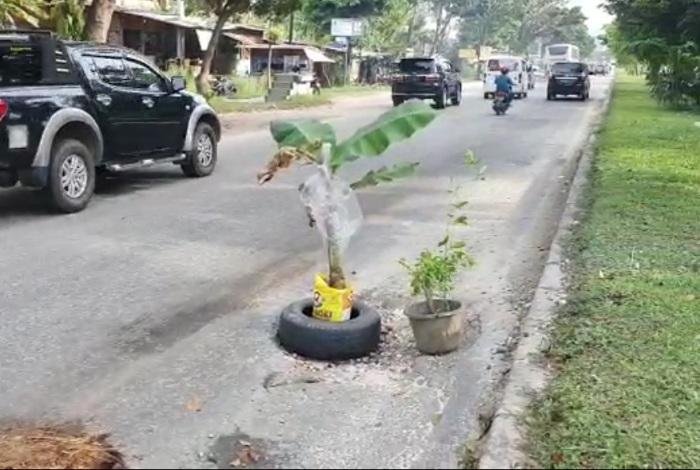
{"x":597,"y":17}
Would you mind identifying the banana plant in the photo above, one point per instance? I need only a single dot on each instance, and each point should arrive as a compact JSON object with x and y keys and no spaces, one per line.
{"x":310,"y":141}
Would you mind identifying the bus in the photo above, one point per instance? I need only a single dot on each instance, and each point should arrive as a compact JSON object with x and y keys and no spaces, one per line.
{"x":561,"y":53}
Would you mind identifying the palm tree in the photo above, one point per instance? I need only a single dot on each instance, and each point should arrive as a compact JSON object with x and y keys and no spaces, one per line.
{"x":13,"y":12}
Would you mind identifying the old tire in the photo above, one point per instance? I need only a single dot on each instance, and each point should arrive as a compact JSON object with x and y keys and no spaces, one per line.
{"x":300,"y":333}
{"x":201,"y":160}
{"x":71,"y":180}
{"x":397,"y":101}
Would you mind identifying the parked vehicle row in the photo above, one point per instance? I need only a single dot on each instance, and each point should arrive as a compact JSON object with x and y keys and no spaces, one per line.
{"x":70,"y":109}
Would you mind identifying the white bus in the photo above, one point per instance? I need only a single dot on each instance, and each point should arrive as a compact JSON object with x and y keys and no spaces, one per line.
{"x":561,"y":53}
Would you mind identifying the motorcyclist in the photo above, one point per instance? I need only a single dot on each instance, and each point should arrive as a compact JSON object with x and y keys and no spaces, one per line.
{"x":504,"y":84}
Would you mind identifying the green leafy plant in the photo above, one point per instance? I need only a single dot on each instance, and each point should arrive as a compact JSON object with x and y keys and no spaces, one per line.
{"x":434,"y":273}
{"x":310,"y":141}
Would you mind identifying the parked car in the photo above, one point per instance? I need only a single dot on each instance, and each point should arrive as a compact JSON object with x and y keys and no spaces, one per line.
{"x":569,"y":78}
{"x":68,"y":109}
{"x":518,"y":72}
{"x":427,"y":78}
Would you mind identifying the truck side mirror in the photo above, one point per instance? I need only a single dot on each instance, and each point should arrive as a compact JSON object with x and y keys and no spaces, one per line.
{"x":178,"y":83}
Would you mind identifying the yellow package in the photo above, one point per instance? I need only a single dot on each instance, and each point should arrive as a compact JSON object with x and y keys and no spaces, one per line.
{"x":334,"y":305}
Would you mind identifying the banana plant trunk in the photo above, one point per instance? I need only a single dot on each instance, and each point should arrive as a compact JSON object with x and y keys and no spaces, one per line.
{"x":336,"y":276}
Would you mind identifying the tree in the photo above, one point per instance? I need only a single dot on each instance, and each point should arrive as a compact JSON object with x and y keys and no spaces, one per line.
{"x":665,"y":36}
{"x":388,"y":32}
{"x":223,"y":10}
{"x":20,"y":11}
{"x":319,"y":13}
{"x":444,"y":11}
{"x":99,"y":17}
{"x":67,"y":18}
{"x":272,"y":37}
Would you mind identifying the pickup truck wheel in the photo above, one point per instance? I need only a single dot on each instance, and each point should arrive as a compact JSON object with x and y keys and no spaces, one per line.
{"x":202,"y":159}
{"x":71,"y":176}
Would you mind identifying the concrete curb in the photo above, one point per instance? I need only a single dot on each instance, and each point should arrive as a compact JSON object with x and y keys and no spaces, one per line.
{"x":502,"y":447}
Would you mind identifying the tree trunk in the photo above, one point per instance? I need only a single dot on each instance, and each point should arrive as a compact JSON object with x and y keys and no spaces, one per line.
{"x":203,"y":77}
{"x":269,"y":67}
{"x":291,"y":28}
{"x":336,"y":276}
{"x":438,"y":26}
{"x":99,"y":18}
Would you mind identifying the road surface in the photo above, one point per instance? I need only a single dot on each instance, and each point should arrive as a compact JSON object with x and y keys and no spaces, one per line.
{"x":151,"y":314}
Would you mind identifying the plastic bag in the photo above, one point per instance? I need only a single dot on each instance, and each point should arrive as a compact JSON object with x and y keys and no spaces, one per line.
{"x":334,"y":305}
{"x":333,"y":206}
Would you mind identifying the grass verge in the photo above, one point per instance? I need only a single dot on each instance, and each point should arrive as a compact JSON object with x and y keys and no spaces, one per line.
{"x":626,"y":348}
{"x":222,"y":105}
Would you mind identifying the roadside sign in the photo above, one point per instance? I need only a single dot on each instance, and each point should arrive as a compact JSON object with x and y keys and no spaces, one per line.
{"x":467,"y":54}
{"x":346,"y":27}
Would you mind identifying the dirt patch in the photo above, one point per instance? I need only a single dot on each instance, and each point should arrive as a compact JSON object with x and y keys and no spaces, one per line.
{"x":23,"y":446}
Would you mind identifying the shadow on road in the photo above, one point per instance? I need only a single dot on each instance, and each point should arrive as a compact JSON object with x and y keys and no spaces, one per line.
{"x":20,"y":201}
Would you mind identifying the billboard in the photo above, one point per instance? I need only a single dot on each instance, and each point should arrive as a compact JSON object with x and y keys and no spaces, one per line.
{"x":346,"y":27}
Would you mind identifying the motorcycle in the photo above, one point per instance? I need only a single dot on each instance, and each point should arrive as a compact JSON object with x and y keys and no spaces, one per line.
{"x":224,"y":86}
{"x":500,"y":103}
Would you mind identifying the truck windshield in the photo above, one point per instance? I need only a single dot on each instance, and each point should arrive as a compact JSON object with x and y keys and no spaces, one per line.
{"x":19,"y":64}
{"x":417,"y":66}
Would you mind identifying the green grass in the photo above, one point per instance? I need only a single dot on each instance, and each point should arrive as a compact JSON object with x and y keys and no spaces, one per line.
{"x":352,"y":90}
{"x":222,"y":105}
{"x":250,"y":87}
{"x":627,"y":347}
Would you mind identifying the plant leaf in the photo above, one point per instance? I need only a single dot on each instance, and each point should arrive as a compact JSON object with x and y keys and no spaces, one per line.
{"x":460,"y":205}
{"x":444,"y":241}
{"x":461,"y":220}
{"x":301,"y":132}
{"x":395,"y":125}
{"x":385,"y":175}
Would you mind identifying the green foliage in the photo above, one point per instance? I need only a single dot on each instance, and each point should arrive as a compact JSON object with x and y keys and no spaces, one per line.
{"x":21,"y":11}
{"x":516,"y":24}
{"x":395,"y":125}
{"x":392,"y":127}
{"x":665,"y":36}
{"x":626,"y":345}
{"x":388,"y":32}
{"x":385,"y":175}
{"x":434,"y":273}
{"x":301,"y":133}
{"x":67,"y":18}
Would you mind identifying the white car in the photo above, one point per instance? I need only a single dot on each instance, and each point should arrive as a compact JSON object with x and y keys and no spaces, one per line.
{"x":518,"y":72}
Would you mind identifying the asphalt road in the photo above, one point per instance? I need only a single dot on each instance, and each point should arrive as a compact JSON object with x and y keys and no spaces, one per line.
{"x":160,"y":299}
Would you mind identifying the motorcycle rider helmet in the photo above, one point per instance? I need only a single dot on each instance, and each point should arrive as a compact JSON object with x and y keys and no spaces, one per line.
{"x":504,"y":70}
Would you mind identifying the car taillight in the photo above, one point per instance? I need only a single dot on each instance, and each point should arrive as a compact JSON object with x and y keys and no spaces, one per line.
{"x":432,"y":78}
{"x":3,"y":109}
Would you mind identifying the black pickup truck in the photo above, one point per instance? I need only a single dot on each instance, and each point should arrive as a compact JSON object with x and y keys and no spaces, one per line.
{"x":71,"y":109}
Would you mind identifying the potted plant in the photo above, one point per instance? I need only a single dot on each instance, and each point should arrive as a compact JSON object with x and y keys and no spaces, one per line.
{"x":332,"y":325}
{"x":437,"y":320}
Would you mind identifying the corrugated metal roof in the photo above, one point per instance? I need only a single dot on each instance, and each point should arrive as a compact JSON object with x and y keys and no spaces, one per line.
{"x":190,"y":22}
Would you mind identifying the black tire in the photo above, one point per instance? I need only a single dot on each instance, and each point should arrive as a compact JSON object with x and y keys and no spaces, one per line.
{"x":300,"y":333}
{"x":441,"y":100}
{"x":457,"y":98}
{"x":201,"y":160}
{"x":72,"y":163}
{"x":487,"y":96}
{"x":397,"y":101}
{"x":550,"y":96}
